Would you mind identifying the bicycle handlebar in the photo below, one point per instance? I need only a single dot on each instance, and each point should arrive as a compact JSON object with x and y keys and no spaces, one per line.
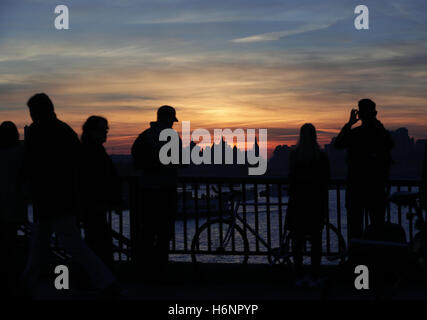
{"x":231,"y":192}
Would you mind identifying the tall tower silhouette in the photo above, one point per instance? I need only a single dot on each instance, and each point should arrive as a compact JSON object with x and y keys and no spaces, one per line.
{"x":256,"y":147}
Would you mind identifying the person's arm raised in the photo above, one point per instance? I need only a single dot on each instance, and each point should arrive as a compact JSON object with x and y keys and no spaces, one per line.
{"x":343,"y":138}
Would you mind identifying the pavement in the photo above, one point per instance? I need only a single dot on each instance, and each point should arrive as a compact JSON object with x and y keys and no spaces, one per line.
{"x":233,"y":282}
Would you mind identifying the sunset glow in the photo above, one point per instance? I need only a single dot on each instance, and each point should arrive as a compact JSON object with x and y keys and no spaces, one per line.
{"x":219,"y":66}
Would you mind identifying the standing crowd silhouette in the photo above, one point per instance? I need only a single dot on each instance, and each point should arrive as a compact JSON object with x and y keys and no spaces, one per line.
{"x":72,"y":181}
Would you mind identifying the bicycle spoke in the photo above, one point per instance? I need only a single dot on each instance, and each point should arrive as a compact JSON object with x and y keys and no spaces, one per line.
{"x":222,"y":249}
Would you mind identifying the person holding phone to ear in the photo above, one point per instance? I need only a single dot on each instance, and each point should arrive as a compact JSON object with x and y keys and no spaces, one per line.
{"x":368,"y":158}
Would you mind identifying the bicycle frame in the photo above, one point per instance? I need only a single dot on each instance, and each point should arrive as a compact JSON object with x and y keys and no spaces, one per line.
{"x":235,"y":217}
{"x":275,"y":254}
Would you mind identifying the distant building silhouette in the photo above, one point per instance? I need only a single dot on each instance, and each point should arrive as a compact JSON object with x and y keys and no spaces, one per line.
{"x":407,"y":157}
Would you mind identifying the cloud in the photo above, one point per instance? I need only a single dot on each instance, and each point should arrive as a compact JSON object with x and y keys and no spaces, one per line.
{"x":181,"y":53}
{"x":274,"y":36}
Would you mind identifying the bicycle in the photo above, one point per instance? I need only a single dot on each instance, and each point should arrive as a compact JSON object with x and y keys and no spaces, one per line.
{"x":228,"y":236}
{"x":418,"y":245}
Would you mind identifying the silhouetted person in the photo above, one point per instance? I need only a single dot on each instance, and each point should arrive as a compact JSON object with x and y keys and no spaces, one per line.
{"x":158,"y":195}
{"x":12,"y":205}
{"x":100,"y":188}
{"x":424,"y":180}
{"x":368,"y":159}
{"x":309,"y":174}
{"x":52,"y":155}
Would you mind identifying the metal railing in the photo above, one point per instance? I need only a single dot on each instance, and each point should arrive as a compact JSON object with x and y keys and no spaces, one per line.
{"x":263,"y":206}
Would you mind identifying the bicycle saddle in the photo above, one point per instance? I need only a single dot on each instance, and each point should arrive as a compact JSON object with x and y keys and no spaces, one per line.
{"x":404,"y":198}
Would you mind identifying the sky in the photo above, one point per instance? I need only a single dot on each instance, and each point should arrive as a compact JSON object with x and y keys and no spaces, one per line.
{"x":222,"y":64}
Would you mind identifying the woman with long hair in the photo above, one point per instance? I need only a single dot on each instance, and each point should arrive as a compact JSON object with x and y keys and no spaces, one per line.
{"x":309,"y":174}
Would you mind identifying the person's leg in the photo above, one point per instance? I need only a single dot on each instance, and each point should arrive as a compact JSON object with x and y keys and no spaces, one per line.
{"x":355,"y":211}
{"x":165,"y":225}
{"x":355,"y":222}
{"x":316,"y":252}
{"x":69,"y":236}
{"x":147,"y":230}
{"x":13,"y":255}
{"x":38,"y":253}
{"x":297,"y":248}
{"x":98,"y":236}
{"x":377,"y":208}
{"x":7,"y":244}
{"x":89,"y":226}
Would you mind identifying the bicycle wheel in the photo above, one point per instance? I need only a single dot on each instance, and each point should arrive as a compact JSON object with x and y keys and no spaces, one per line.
{"x":219,"y":241}
{"x":333,"y":248}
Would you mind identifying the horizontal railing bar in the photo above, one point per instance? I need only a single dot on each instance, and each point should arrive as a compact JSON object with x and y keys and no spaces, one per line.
{"x":239,"y":253}
{"x":269,"y":179}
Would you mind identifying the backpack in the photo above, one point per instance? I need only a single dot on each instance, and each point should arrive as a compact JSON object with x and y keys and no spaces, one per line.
{"x":145,"y":153}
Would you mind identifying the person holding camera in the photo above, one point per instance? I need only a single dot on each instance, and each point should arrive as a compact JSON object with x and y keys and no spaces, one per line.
{"x":368,"y":158}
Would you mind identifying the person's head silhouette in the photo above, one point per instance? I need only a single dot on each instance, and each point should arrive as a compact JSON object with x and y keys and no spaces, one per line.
{"x":9,"y":135}
{"x":308,"y":135}
{"x":307,"y":146}
{"x":95,"y":130}
{"x":41,"y":108}
{"x":166,"y":115}
{"x":367,"y":110}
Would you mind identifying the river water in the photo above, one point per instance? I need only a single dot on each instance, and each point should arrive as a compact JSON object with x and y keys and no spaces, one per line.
{"x":185,"y":230}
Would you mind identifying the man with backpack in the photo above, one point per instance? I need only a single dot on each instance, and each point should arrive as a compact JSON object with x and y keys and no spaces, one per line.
{"x":158,"y":205}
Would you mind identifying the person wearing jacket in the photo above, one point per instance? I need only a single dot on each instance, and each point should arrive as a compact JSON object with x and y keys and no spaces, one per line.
{"x":100,"y":188}
{"x":52,"y":151}
{"x":369,"y":159}
{"x":158,"y":204}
